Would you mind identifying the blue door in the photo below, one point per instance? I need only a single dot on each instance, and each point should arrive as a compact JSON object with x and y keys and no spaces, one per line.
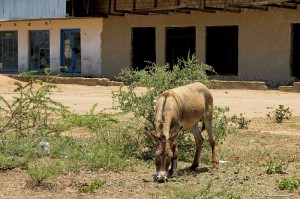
{"x":70,"y":51}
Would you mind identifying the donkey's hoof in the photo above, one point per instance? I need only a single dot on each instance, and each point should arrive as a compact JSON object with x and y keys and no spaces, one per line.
{"x":193,"y":168}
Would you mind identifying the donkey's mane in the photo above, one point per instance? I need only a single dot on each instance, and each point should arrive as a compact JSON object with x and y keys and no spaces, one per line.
{"x":166,"y":95}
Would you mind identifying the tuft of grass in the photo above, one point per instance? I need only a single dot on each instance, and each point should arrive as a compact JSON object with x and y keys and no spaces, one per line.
{"x":11,"y":162}
{"x":93,"y":187}
{"x":42,"y":170}
{"x":272,"y":169}
{"x":290,"y":184}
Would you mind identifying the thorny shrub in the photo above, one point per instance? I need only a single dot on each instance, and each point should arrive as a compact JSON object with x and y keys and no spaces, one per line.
{"x":280,"y":114}
{"x":32,"y":109}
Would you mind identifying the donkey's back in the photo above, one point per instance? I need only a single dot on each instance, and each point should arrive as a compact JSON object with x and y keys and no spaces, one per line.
{"x":194,"y":102}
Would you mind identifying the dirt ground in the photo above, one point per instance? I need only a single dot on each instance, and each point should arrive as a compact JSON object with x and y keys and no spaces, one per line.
{"x":252,"y":103}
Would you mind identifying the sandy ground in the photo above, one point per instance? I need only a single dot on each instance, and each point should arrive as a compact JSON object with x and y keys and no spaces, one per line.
{"x":252,"y":103}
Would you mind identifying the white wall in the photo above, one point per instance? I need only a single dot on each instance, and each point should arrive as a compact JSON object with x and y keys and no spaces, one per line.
{"x":90,"y":30}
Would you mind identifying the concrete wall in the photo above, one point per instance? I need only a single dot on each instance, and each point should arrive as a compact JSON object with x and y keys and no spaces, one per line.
{"x":90,"y":30}
{"x":264,"y":40}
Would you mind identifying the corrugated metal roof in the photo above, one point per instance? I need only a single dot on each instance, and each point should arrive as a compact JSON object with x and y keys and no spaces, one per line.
{"x":32,"y":9}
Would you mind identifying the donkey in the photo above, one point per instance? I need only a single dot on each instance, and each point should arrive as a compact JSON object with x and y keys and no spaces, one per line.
{"x":177,"y":110}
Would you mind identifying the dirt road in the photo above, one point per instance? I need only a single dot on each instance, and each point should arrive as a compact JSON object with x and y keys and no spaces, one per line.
{"x":253,"y":103}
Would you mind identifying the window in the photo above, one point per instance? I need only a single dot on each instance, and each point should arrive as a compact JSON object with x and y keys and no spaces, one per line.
{"x":39,"y":49}
{"x":143,"y":47}
{"x":295,"y":51}
{"x":222,"y":49}
{"x":8,"y":50}
{"x":180,"y":42}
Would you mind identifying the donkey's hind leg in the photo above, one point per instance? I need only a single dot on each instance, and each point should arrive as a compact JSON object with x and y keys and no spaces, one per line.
{"x":207,"y":120}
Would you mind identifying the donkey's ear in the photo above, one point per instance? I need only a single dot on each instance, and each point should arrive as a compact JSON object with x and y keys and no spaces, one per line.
{"x":151,"y":135}
{"x":174,"y":138}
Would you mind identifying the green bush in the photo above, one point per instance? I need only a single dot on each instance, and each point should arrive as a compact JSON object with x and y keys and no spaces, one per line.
{"x":156,"y":79}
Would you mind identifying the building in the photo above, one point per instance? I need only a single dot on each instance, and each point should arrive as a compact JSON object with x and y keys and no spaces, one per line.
{"x":241,"y":39}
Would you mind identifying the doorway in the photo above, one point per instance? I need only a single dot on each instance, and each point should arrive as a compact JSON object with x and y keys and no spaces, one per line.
{"x":180,"y":42}
{"x":143,"y":47}
{"x":39,"y":49}
{"x":71,"y":51}
{"x":295,"y":51}
{"x":8,"y":50}
{"x":222,"y":49}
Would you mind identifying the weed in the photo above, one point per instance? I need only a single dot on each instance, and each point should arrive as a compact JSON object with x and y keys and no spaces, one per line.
{"x":272,"y":169}
{"x":42,"y":170}
{"x":241,"y":121}
{"x":290,"y":184}
{"x":280,"y":114}
{"x":94,"y":186}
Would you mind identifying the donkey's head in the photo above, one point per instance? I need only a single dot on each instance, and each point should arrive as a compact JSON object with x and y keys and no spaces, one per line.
{"x":164,"y":153}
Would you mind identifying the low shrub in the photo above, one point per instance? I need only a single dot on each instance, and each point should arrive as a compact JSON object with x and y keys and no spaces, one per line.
{"x":42,"y":170}
{"x":280,"y":114}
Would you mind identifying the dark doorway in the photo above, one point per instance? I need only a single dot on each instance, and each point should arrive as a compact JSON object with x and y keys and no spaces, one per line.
{"x":39,"y":49}
{"x":295,"y":54}
{"x":143,"y":47}
{"x":181,"y":41}
{"x":222,"y":49}
{"x":8,"y":50}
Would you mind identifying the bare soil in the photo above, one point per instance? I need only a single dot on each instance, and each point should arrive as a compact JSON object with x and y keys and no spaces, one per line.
{"x":240,"y":175}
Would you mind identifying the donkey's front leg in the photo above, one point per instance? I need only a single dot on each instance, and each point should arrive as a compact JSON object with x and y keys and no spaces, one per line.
{"x":173,"y":170}
{"x":199,"y":142}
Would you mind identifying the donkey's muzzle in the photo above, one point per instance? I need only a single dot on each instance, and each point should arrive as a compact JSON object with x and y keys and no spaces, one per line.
{"x":161,"y":177}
